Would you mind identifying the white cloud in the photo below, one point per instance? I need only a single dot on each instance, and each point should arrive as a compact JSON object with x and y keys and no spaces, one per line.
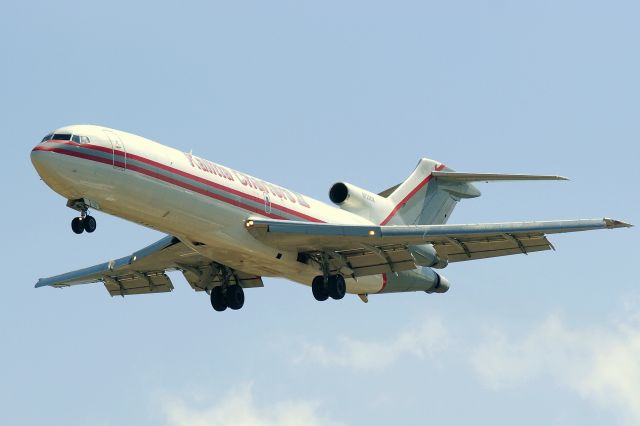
{"x":601,"y":363}
{"x":238,"y":408}
{"x":421,"y":341}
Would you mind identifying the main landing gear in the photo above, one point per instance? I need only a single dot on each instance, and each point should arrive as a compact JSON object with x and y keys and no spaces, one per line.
{"x":83,"y":223}
{"x":230,"y":297}
{"x":332,"y":286}
{"x":327,"y":285}
{"x":227,"y":295}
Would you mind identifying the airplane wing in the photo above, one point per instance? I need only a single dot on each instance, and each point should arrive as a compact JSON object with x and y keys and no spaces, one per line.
{"x":367,"y":250}
{"x":144,"y":271}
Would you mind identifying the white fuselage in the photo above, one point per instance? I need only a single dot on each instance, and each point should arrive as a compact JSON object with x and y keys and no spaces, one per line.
{"x":203,"y":203}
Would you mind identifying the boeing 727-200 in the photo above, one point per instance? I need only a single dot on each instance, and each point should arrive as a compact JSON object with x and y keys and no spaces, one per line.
{"x":226,"y":229}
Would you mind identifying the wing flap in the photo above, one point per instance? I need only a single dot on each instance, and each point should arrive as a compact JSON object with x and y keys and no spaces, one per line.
{"x":503,"y":245}
{"x":157,"y":282}
{"x":371,"y":260}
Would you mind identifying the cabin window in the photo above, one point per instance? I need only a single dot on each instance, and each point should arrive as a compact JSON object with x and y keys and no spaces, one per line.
{"x":76,"y":138}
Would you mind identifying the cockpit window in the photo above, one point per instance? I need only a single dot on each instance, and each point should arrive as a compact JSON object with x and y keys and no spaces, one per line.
{"x":61,"y":137}
{"x":66,"y":137}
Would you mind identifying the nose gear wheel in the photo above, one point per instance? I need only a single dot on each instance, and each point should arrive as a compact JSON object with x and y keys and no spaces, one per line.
{"x":84,"y":222}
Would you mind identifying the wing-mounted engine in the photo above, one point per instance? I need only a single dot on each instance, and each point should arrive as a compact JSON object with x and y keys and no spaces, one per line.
{"x":360,"y":201}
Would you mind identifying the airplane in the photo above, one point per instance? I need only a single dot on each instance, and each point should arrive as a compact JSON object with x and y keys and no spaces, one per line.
{"x":226,"y":229}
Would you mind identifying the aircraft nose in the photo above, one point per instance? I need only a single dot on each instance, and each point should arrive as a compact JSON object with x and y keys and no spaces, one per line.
{"x":38,"y":159}
{"x":51,"y":170}
{"x":44,"y":162}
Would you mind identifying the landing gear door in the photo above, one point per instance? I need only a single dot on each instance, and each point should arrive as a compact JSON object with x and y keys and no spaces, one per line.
{"x":118,"y":150}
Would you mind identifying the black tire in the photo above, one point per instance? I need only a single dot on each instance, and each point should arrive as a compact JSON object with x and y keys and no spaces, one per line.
{"x":76,"y":225}
{"x":235,"y":297}
{"x":337,"y":287}
{"x":319,"y":290}
{"x":89,"y":224}
{"x":218,"y":301}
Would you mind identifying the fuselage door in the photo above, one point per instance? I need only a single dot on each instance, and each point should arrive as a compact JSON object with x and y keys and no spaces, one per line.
{"x":267,"y":203}
{"x":118,"y":149}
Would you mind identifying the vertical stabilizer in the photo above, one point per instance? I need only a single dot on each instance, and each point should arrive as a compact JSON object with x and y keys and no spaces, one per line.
{"x":423,"y":200}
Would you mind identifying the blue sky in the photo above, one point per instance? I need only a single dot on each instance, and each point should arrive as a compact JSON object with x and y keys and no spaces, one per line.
{"x":305,"y":94}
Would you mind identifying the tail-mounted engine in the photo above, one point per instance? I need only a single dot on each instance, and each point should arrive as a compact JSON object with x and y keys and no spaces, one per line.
{"x":359,"y":201}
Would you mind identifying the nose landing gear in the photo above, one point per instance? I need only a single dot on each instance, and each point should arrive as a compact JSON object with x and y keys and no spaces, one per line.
{"x":76,"y":225}
{"x":83,"y":223}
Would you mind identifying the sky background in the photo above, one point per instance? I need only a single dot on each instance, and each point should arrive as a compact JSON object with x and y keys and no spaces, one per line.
{"x":305,"y":94}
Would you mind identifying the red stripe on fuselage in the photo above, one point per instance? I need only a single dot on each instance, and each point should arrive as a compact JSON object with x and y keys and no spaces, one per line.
{"x":176,"y":182}
{"x":207,"y":182}
{"x":74,"y":154}
{"x":202,"y":180}
{"x":202,"y":191}
{"x":411,"y":194}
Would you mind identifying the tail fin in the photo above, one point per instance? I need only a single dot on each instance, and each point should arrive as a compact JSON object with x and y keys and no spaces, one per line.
{"x":430,"y":194}
{"x":423,"y":200}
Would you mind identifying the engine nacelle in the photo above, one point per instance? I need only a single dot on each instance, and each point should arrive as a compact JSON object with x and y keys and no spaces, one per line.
{"x":426,"y":255}
{"x":442,"y":285}
{"x":423,"y":279}
{"x":359,"y":201}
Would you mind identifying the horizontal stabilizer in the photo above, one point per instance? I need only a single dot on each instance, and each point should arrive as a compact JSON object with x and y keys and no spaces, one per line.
{"x":487,"y":177}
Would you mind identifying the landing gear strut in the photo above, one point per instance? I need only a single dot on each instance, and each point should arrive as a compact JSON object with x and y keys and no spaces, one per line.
{"x":83,"y":223}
